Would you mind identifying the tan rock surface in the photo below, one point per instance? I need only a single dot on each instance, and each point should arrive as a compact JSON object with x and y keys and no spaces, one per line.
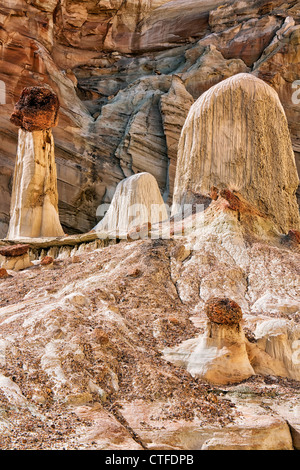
{"x":174,"y":107}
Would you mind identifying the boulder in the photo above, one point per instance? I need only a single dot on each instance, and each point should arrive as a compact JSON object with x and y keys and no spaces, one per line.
{"x":223,"y":311}
{"x":236,"y":137}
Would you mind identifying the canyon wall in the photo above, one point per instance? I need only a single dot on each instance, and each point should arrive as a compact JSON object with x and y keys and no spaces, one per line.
{"x":126,"y":74}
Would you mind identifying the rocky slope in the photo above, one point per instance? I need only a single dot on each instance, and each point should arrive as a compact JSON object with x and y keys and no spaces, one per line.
{"x":126,"y":74}
{"x":85,"y":341}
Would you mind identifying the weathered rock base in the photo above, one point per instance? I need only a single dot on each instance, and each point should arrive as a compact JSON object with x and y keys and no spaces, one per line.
{"x":17,"y":263}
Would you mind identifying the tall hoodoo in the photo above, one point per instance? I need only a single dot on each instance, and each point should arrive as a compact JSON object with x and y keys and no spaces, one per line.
{"x":34,"y":202}
{"x":236,"y":136}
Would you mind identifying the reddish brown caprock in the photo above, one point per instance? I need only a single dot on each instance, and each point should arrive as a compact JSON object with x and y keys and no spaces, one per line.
{"x":294,"y":236}
{"x":223,"y":311}
{"x":234,"y":203}
{"x":36,"y":110}
{"x":14,"y":250}
{"x":3,"y":273}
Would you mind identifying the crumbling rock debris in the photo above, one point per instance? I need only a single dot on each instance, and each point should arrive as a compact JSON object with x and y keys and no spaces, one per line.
{"x":36,"y":110}
{"x":223,"y":311}
{"x":140,"y":232}
{"x":137,"y":202}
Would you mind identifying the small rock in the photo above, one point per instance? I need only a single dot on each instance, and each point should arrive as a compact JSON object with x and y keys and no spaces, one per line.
{"x":140,"y":232}
{"x":294,"y":236}
{"x":100,"y":336}
{"x":214,"y":193}
{"x":3,"y":273}
{"x":47,"y":261}
{"x":134,"y":272}
{"x":79,"y":398}
{"x":77,"y":299}
{"x":180,"y":253}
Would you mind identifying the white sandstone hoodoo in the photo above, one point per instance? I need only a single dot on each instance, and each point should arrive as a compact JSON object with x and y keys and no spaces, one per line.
{"x":236,"y":137}
{"x":136,"y":202}
{"x":34,"y":202}
{"x":219,"y":356}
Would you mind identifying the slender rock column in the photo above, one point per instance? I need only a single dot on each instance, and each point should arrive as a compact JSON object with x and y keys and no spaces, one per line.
{"x":34,"y":202}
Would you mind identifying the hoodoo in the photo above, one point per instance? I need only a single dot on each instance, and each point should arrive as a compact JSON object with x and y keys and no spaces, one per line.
{"x":236,"y":136}
{"x":137,"y":201}
{"x":34,"y":202}
{"x":218,"y":356}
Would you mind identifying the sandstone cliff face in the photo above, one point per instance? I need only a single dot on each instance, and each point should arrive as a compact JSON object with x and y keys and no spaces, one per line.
{"x":112,"y":65}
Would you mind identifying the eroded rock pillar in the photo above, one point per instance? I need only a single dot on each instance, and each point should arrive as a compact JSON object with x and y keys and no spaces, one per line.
{"x":34,"y":202}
